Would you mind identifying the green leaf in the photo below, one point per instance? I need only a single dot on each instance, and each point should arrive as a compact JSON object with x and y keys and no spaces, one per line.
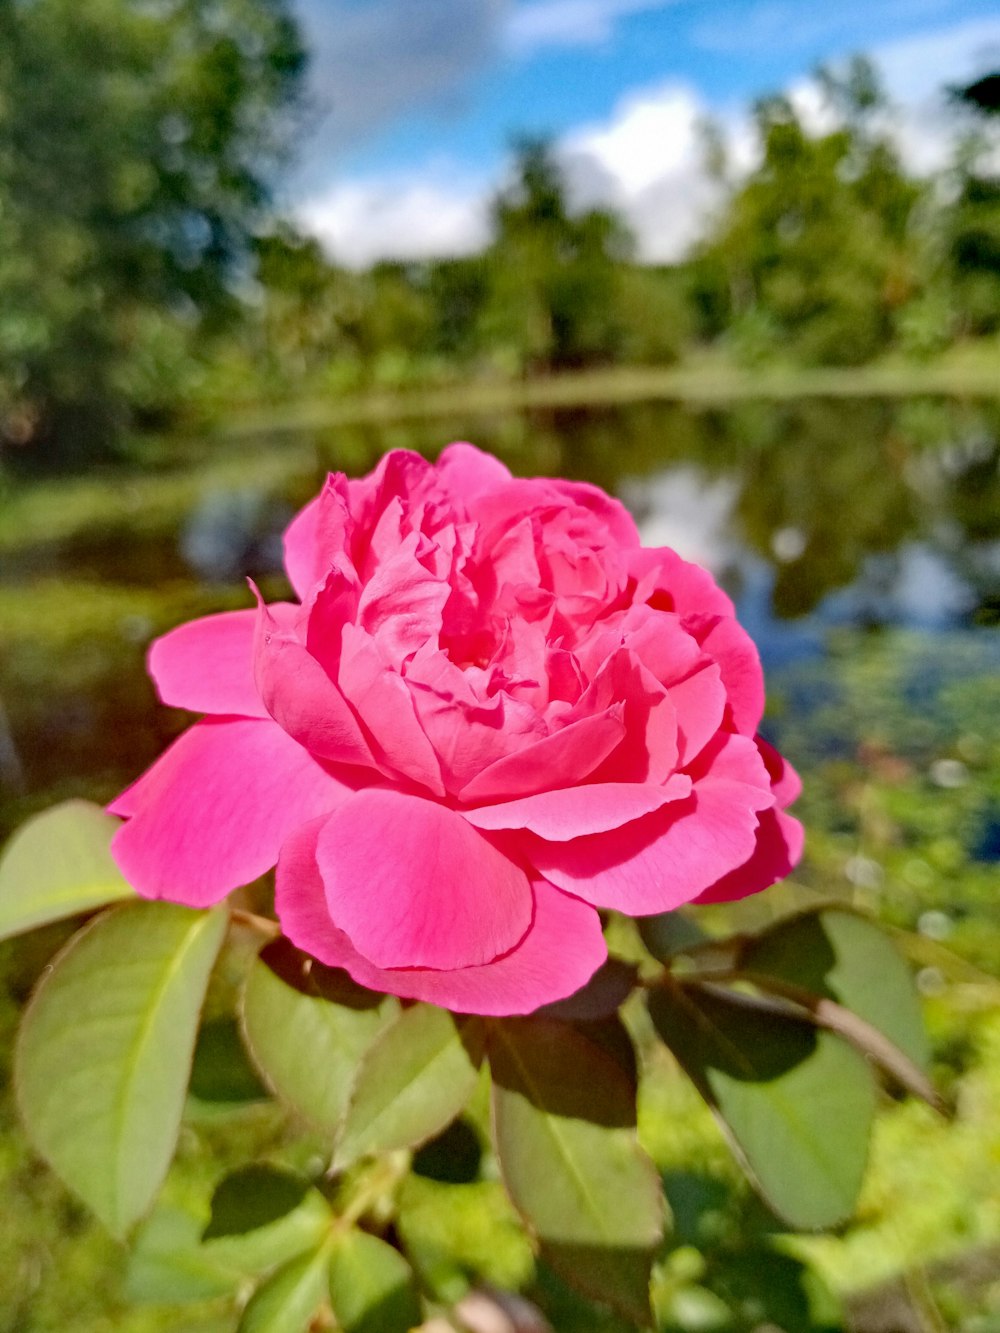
{"x":105,"y":1048}
{"x":564,"y":1118}
{"x":371,"y":1286}
{"x":56,"y":865}
{"x":290,"y":1298}
{"x":413,"y":1081}
{"x":847,"y":958}
{"x":603,"y":995}
{"x":796,"y":1102}
{"x":453,"y":1157}
{"x":669,"y":933}
{"x":221,"y":1072}
{"x":253,"y":1197}
{"x":168,"y":1265}
{"x":169,"y":1262}
{"x":307,"y":1046}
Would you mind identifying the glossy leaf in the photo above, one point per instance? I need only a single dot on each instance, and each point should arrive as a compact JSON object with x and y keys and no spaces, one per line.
{"x":221,"y":1072}
{"x":290,"y":1299}
{"x":415,"y":1079}
{"x":105,"y":1052}
{"x":564,"y":1117}
{"x":371,"y":1286}
{"x":796,"y":1101}
{"x":305,"y":1045}
{"x":844,"y":956}
{"x":58,"y":864}
{"x":253,"y":1197}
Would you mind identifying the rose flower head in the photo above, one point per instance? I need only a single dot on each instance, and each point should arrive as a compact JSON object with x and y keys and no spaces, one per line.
{"x":491,"y":713}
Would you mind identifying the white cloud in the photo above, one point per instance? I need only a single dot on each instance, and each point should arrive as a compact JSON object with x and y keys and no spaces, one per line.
{"x":538,"y":24}
{"x":913,"y":65}
{"x":372,"y":63}
{"x":400,"y":216}
{"x":645,"y":159}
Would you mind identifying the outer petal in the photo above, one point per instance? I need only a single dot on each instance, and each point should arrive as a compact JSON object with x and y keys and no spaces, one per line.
{"x":207,"y":664}
{"x":576,"y":812}
{"x":466,"y":471}
{"x":213,"y":811}
{"x":558,"y":955}
{"x":785,"y":782}
{"x":671,"y":584}
{"x":414,"y":885}
{"x":725,"y":639}
{"x":672,"y":856}
{"x":776,"y":854}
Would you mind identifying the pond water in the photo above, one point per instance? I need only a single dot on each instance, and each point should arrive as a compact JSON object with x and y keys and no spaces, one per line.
{"x":831,"y":523}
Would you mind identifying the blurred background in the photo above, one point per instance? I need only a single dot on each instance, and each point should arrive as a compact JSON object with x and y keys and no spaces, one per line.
{"x":736,"y":261}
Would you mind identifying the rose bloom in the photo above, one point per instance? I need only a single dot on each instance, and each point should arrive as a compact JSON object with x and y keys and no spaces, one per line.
{"x":491,"y":713}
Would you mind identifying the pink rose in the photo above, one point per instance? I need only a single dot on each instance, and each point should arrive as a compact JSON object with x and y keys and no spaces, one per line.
{"x":491,"y":713}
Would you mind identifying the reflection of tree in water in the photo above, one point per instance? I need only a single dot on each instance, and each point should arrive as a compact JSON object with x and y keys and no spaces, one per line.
{"x":829,"y":492}
{"x":830,"y":477}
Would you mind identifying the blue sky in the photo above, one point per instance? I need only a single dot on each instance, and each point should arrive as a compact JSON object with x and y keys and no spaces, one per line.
{"x":415,"y":101}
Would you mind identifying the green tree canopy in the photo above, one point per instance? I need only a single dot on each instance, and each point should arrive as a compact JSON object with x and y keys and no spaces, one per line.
{"x":974,"y":221}
{"x":137,"y":140}
{"x":552,"y":272}
{"x":812,"y":254}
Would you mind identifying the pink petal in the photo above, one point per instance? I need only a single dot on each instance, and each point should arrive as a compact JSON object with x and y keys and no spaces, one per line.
{"x":785,"y":782}
{"x":648,"y":752}
{"x":700,"y":701}
{"x":412,"y":884}
{"x":725,"y":640}
{"x":576,"y":812}
{"x":302,"y":698}
{"x":466,"y":471}
{"x":564,"y":757}
{"x":384,"y":704}
{"x":207,"y":664}
{"x":671,"y":584}
{"x":671,"y":856}
{"x":469,"y":736}
{"x":776,"y":854}
{"x":401,"y":605}
{"x":612,"y":513}
{"x":315,"y":535}
{"x":559,"y":954}
{"x":213,"y":811}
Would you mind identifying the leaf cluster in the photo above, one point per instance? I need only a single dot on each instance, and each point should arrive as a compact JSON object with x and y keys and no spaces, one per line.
{"x":780,"y":1031}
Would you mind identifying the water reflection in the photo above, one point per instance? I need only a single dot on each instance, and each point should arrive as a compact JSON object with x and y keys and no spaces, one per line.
{"x":820,"y":518}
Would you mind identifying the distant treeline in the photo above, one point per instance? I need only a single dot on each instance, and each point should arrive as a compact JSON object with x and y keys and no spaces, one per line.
{"x":142,"y":271}
{"x":828,"y":253}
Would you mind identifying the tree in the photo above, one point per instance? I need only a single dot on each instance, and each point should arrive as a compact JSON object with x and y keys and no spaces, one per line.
{"x":552,"y":274}
{"x":137,"y":142}
{"x":813,"y":253}
{"x":974,"y":231}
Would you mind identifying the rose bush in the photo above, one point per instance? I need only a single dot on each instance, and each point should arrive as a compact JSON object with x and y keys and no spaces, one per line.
{"x":490,"y":713}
